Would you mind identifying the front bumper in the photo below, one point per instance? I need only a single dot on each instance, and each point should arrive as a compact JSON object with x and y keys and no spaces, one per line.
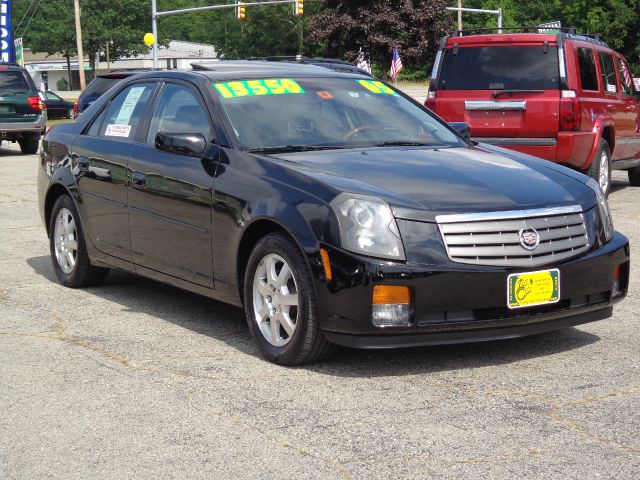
{"x":454,"y":303}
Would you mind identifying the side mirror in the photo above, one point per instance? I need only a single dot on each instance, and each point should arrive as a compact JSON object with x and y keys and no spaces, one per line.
{"x":193,"y":144}
{"x":462,"y":128}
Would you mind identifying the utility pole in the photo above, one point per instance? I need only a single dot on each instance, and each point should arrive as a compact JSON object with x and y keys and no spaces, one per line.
{"x":459,"y":15}
{"x":76,"y":7}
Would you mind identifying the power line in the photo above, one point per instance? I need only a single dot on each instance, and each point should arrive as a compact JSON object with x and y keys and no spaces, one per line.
{"x":32,"y":15}
{"x":25,"y":15}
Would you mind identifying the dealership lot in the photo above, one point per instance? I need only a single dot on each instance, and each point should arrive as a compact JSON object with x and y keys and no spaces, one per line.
{"x":137,"y":379}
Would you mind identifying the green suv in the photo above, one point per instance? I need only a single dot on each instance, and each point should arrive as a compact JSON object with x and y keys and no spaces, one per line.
{"x":23,"y":115}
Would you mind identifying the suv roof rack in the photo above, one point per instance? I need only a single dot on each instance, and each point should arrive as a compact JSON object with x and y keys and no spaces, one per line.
{"x":297,"y":59}
{"x":525,"y":29}
{"x":568,"y":32}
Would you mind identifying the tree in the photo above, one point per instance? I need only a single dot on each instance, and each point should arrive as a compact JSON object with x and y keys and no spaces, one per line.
{"x":52,"y":28}
{"x":377,"y":27}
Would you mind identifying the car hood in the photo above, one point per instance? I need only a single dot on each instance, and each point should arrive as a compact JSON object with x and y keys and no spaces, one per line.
{"x":420,"y":183}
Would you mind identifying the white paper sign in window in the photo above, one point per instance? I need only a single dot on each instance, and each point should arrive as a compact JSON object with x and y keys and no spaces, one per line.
{"x":129,"y":105}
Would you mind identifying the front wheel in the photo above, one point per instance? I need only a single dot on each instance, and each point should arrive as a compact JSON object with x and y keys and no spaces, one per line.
{"x":280,"y":303}
{"x":68,"y":250}
{"x":600,"y":168}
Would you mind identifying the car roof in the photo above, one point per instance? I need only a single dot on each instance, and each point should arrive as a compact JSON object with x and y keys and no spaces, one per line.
{"x":490,"y":37}
{"x":231,"y":70}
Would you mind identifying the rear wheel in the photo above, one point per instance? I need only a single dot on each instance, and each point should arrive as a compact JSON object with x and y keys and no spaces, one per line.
{"x":600,"y":168}
{"x":280,"y":304}
{"x":29,"y":143}
{"x":634,"y":176}
{"x":68,"y":250}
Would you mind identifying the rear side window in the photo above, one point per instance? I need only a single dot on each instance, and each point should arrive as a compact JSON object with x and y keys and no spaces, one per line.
{"x":13,"y":82}
{"x":99,"y":86}
{"x":124,"y":114}
{"x":588,"y":73}
{"x":608,"y":73}
{"x":626,"y":81}
{"x":497,"y":68}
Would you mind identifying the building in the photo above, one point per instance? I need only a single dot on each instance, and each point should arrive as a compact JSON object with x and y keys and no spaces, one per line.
{"x":50,"y":69}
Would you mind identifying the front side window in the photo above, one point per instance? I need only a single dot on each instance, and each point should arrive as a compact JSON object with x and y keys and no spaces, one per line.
{"x":125,"y":112}
{"x":326,"y":112}
{"x":587,"y":66}
{"x":51,"y":96}
{"x":178,"y":111}
{"x":608,"y":73}
{"x":626,"y":80}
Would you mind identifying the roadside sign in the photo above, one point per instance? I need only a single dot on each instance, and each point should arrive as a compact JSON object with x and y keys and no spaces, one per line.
{"x":550,"y":27}
{"x":19,"y":51}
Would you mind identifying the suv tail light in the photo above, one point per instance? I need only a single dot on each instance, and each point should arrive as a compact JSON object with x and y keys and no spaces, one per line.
{"x":569,"y":111}
{"x":75,"y":110}
{"x":36,"y":103}
{"x":430,"y":102}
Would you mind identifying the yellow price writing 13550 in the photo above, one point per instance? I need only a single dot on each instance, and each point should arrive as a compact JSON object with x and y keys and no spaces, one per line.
{"x":248,"y":88}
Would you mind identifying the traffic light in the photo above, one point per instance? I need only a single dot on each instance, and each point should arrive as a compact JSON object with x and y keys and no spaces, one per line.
{"x":241,"y":11}
{"x":298,"y":7}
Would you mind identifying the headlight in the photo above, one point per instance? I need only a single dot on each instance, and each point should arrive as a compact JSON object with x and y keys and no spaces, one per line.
{"x":603,"y":209}
{"x":367,"y":226}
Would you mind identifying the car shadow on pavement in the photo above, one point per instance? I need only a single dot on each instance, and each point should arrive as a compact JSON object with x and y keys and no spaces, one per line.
{"x":226,"y":323}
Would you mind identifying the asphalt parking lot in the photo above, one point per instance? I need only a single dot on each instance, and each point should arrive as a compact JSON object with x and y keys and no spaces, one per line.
{"x":136,"y":379}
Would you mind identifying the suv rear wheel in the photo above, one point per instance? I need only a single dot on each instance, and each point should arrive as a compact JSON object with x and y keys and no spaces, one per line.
{"x":600,"y":168}
{"x":29,"y":143}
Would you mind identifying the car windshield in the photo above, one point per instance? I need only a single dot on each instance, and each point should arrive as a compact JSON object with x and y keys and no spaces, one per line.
{"x":308,"y":113}
{"x":500,"y":67}
{"x":13,"y":82}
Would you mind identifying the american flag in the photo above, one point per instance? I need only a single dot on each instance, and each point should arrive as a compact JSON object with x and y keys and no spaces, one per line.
{"x":396,"y":64}
{"x":627,"y":76}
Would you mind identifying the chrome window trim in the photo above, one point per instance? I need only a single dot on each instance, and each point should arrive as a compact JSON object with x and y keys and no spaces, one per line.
{"x":508,"y":215}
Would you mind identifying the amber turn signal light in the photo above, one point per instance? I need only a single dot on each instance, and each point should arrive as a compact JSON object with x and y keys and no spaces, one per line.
{"x":391,"y":294}
{"x":325,"y":264}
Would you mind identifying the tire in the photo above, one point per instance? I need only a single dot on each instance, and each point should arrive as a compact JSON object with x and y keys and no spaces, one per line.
{"x":29,"y":143}
{"x":634,"y":176}
{"x":600,"y":168}
{"x":298,"y":340}
{"x":67,"y":247}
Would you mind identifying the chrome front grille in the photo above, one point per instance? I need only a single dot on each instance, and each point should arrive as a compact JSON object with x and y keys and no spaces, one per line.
{"x":494,"y":238}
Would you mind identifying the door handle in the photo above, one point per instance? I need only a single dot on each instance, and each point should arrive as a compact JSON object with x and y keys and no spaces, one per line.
{"x":138,"y":180}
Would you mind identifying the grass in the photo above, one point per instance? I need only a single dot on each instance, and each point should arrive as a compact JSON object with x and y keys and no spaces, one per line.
{"x":57,"y":121}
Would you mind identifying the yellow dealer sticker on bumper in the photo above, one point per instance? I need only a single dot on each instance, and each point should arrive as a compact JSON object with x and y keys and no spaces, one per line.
{"x":533,"y":288}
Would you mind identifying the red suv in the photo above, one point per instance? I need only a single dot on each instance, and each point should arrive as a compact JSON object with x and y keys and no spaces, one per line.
{"x":564,"y":97}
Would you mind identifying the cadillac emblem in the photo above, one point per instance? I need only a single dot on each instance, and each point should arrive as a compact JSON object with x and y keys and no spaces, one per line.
{"x":529,"y":238}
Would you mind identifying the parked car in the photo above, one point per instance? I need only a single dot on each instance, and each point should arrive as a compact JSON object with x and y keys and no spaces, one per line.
{"x":564,"y":97}
{"x":99,"y":85}
{"x":354,"y":216}
{"x":57,"y":107}
{"x":23,"y":115}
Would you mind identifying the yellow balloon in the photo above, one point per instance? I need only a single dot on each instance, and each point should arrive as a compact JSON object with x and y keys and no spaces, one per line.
{"x":149,"y":39}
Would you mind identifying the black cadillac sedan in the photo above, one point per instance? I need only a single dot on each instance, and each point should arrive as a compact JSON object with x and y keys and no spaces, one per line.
{"x":331,"y":207}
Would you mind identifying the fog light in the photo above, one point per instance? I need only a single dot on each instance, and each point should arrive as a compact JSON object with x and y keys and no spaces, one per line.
{"x":391,"y":306}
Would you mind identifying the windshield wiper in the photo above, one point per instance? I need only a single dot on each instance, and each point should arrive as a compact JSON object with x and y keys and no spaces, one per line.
{"x":497,"y":93}
{"x":293,"y":148}
{"x":407,"y":143}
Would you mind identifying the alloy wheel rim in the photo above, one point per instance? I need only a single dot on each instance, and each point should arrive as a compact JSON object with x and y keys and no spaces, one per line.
{"x":275,"y":300}
{"x":604,"y":171}
{"x":65,"y":240}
